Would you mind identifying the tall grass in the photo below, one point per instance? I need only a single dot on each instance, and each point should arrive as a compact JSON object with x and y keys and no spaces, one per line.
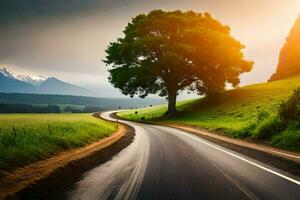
{"x":25,"y":138}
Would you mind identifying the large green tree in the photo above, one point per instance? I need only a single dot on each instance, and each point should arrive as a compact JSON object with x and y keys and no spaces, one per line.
{"x":166,"y":52}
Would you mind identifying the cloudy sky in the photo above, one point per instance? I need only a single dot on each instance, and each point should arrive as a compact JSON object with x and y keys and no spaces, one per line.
{"x":67,"y":38}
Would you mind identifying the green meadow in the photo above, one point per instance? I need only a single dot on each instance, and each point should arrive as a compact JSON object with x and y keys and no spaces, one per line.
{"x":25,"y":138}
{"x":246,"y":112}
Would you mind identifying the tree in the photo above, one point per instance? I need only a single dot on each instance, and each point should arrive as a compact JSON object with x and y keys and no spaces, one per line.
{"x":166,"y":52}
{"x":216,"y":59}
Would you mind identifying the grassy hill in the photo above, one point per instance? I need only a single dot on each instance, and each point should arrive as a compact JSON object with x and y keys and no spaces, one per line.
{"x":244,"y":112}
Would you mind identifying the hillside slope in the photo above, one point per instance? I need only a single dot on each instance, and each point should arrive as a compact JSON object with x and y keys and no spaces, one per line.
{"x":289,"y":58}
{"x":241,"y":113}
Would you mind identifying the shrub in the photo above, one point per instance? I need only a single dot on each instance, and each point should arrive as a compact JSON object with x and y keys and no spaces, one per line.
{"x":289,"y":140}
{"x":241,"y":134}
{"x":290,"y":110}
{"x":268,"y":127}
{"x":262,"y":116}
{"x":281,"y":130}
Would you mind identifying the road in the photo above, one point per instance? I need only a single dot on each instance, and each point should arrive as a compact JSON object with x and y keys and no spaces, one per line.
{"x":167,"y":163}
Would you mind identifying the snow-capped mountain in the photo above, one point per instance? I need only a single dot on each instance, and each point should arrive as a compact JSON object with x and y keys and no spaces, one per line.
{"x":18,"y":83}
{"x":22,"y":77}
{"x":28,"y":79}
{"x":7,"y":73}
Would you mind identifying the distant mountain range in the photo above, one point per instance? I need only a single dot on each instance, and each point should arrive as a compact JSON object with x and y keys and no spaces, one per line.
{"x":12,"y":83}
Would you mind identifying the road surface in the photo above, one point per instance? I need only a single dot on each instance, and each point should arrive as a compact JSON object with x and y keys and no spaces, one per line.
{"x":166,"y":163}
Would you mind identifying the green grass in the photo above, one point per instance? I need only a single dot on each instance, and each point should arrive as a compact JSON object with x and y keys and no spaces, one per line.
{"x":240,"y":113}
{"x":155,"y":111}
{"x":25,"y":138}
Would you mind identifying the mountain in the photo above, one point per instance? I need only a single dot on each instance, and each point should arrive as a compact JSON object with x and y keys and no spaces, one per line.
{"x":21,"y":77}
{"x":289,"y":58}
{"x":4,"y":71}
{"x":30,"y":80}
{"x":11,"y":83}
{"x":55,"y":86}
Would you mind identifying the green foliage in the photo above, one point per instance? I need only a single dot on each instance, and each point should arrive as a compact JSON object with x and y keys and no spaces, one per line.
{"x":262,"y":115}
{"x":283,"y":128}
{"x":289,"y":139}
{"x":25,"y":138}
{"x":165,"y":52}
{"x":267,"y":128}
{"x":250,"y":111}
{"x":290,"y":109}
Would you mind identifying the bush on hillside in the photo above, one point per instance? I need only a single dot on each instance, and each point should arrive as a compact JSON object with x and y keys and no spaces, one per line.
{"x":290,"y":109}
{"x":289,"y":139}
{"x":268,"y":127}
{"x":282,"y":130}
{"x":262,"y":116}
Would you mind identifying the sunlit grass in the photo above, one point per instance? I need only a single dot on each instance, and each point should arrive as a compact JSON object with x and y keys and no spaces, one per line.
{"x":25,"y":138}
{"x":155,"y":111}
{"x":238,"y":110}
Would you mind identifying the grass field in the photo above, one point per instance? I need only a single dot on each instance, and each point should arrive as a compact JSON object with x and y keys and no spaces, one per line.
{"x":242,"y":112}
{"x":25,"y":138}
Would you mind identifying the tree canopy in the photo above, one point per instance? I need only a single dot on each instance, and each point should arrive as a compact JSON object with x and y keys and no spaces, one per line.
{"x":166,"y":52}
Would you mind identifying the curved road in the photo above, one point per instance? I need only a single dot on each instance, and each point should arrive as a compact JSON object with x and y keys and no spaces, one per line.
{"x":167,"y":163}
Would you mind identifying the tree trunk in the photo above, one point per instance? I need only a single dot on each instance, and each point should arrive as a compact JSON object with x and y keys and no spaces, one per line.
{"x":171,"y":103}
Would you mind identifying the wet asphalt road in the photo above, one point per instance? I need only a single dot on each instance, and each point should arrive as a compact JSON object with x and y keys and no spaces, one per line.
{"x":166,"y":163}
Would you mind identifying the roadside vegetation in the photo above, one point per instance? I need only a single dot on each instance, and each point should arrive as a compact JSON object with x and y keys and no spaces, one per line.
{"x":267,"y":112}
{"x":25,"y":138}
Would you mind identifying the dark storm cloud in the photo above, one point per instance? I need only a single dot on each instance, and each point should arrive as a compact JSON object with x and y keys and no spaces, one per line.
{"x":20,"y":10}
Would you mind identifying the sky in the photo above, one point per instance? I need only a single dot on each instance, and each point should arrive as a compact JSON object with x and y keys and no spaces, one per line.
{"x":67,"y":39}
